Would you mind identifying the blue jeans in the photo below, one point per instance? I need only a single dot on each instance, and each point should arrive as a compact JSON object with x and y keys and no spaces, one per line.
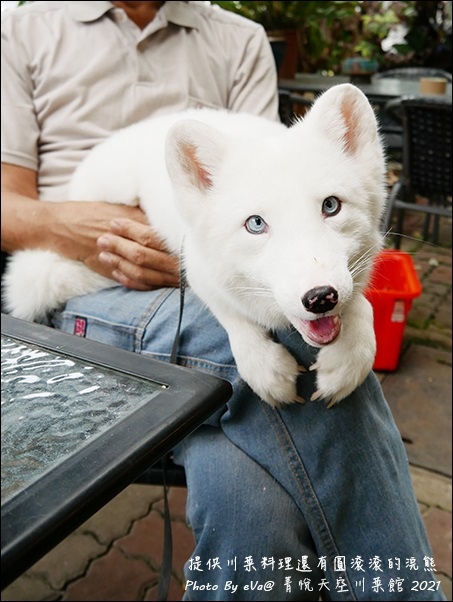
{"x":288,"y":504}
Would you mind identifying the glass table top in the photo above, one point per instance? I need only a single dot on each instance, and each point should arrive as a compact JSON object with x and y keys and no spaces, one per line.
{"x":52,"y":405}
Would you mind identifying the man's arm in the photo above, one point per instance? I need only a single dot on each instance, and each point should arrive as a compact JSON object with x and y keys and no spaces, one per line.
{"x":111,"y":239}
{"x":255,"y":89}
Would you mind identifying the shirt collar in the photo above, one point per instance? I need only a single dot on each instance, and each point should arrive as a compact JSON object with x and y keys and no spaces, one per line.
{"x":179,"y":13}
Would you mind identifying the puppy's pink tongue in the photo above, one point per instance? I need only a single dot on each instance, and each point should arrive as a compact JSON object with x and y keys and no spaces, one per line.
{"x":321,"y":331}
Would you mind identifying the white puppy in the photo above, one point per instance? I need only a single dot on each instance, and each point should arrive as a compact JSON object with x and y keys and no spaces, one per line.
{"x":280,"y":226}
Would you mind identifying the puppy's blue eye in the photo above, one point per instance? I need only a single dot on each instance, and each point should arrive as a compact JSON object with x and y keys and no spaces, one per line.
{"x":331,"y":206}
{"x":255,"y":224}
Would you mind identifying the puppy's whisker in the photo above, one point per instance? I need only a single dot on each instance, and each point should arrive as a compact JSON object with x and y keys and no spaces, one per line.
{"x":363,"y":263}
{"x":252,"y":290}
{"x":245,"y":291}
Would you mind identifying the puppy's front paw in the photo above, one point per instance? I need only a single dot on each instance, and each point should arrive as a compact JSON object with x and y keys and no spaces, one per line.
{"x":340,"y":372}
{"x":344,"y":364}
{"x":272,"y":373}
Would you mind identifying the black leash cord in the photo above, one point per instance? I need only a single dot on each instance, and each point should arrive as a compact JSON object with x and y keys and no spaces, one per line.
{"x":167,"y":553}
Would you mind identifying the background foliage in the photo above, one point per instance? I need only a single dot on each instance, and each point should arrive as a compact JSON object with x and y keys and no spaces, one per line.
{"x":329,"y":32}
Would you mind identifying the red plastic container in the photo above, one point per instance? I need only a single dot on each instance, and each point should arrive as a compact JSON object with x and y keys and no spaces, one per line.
{"x":393,"y":286}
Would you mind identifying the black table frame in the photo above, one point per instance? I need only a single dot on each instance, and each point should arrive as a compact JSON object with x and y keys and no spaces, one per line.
{"x":42,"y":514}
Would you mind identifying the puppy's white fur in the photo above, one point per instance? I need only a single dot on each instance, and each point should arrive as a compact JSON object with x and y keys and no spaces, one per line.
{"x":200,"y":175}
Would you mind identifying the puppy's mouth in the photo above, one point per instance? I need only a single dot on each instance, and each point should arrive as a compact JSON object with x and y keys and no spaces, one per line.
{"x":320,"y":331}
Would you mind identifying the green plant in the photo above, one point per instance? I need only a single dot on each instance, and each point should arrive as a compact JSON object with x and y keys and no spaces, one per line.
{"x":330,"y":31}
{"x":272,"y":15}
{"x":427,"y":40}
{"x":377,"y":27}
{"x":313,"y":22}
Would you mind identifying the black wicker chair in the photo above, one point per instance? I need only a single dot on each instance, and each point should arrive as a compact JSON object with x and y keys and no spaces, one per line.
{"x":389,"y":127}
{"x":425,"y":184}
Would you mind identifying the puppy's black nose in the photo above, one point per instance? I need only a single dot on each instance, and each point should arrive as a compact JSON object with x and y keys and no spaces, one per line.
{"x":320,"y":299}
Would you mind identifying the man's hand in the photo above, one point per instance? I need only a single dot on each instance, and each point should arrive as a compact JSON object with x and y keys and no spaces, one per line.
{"x":111,"y":239}
{"x":136,"y":257}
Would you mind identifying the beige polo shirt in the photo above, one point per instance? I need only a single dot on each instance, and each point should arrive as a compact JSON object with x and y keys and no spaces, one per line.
{"x":74,"y":72}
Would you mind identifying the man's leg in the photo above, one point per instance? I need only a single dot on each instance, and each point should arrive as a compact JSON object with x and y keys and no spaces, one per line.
{"x":336,"y":482}
{"x":248,"y":530}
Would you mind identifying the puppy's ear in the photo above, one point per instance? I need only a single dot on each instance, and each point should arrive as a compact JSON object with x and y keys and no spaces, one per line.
{"x":346,"y":116}
{"x":193,"y":154}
